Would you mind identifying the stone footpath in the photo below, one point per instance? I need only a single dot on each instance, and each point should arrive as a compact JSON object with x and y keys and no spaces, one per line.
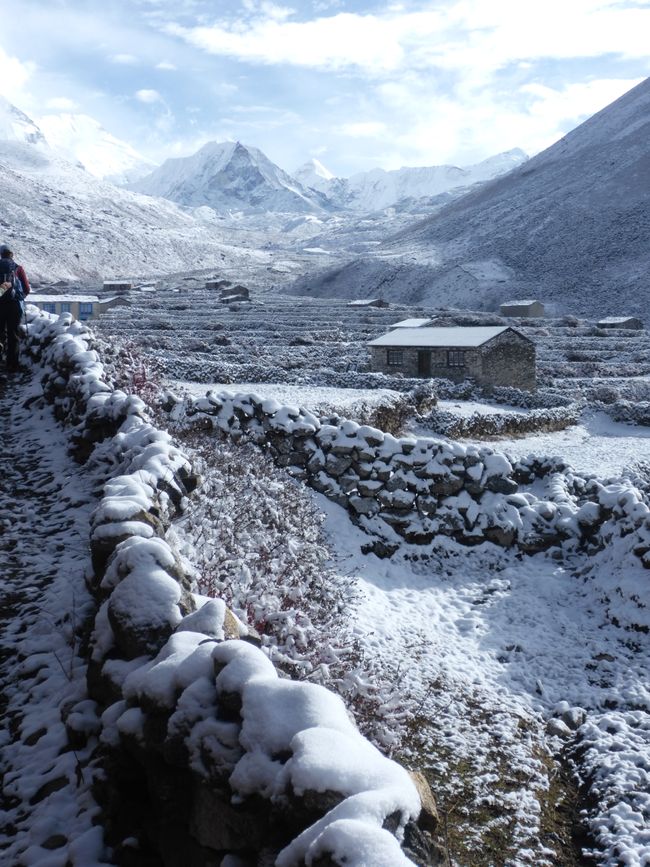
{"x":46,"y":809}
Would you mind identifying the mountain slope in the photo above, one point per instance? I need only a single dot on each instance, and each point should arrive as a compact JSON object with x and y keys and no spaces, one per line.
{"x":65,"y":224}
{"x":570,"y":226}
{"x":81,"y":138}
{"x":229,"y":176}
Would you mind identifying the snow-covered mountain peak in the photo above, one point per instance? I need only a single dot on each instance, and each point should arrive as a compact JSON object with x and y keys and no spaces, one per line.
{"x":15,"y":126}
{"x":229,"y":176}
{"x":315,"y":175}
{"x":81,"y":138}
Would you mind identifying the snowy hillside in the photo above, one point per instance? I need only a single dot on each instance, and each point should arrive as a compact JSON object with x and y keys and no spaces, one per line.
{"x":569,"y":226}
{"x":229,"y":176}
{"x":65,"y":224}
{"x":378,"y":189}
{"x":81,"y":138}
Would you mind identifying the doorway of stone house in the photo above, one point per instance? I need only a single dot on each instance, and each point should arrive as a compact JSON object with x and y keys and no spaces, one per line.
{"x":424,"y":363}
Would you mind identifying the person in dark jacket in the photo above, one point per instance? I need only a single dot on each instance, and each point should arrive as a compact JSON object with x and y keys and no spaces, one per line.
{"x":14,"y":287}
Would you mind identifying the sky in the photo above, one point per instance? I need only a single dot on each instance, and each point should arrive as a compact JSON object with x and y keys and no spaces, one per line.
{"x":357,"y":85}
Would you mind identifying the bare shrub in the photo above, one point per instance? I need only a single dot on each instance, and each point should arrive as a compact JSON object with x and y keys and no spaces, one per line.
{"x":255,"y":539}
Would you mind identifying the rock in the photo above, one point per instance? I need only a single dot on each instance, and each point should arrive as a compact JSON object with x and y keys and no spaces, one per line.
{"x":574,"y":717}
{"x":143,"y":611}
{"x":380,"y":549}
{"x":216,"y":824}
{"x":557,"y":728}
{"x":428,"y":819}
{"x":364,"y":505}
{"x":501,"y":485}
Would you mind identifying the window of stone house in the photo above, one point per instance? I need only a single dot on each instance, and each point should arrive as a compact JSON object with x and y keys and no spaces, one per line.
{"x":395,"y":357}
{"x":65,"y":307}
{"x":49,"y":307}
{"x":455,"y":358}
{"x":85,"y":309}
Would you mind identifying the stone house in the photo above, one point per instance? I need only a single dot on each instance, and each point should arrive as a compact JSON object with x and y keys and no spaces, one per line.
{"x":630,"y":322}
{"x":529,"y":308}
{"x":490,"y":355}
{"x":368,"y":302}
{"x":411,"y":323}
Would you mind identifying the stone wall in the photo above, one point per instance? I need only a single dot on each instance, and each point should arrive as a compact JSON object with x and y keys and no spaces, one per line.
{"x":417,"y":490}
{"x":208,"y":752}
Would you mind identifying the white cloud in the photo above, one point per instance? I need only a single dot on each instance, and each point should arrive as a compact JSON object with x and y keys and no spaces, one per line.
{"x":362,"y":129}
{"x":124,"y":59}
{"x":61,"y":103}
{"x":15,"y":76}
{"x":164,"y":64}
{"x":148,"y":96}
{"x":462,"y":35}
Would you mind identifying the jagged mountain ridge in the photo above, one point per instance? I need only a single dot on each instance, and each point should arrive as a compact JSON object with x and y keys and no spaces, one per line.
{"x":570,"y":226}
{"x":375,"y":190}
{"x":230,"y":176}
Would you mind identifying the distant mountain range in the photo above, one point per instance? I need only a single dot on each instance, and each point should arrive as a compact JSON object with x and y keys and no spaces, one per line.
{"x":375,"y":190}
{"x":570,"y":226}
{"x":230,"y":176}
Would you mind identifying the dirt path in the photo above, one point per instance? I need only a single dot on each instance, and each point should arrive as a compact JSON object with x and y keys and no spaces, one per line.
{"x":46,"y":809}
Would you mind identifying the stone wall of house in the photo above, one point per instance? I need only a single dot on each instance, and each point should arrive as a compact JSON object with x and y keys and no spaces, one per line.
{"x":532,"y":310}
{"x":439,"y":367}
{"x":418,"y":490}
{"x":508,"y":360}
{"x":202,"y":742}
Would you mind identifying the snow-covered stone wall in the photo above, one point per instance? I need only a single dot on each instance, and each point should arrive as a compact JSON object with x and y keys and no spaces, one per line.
{"x":415,"y":490}
{"x":201,"y":738}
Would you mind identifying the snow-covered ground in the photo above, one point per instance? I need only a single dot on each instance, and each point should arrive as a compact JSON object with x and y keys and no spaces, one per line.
{"x":493,"y":653}
{"x":308,"y":396}
{"x":596,"y":445}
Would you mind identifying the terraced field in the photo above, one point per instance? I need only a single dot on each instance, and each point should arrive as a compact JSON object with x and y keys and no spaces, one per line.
{"x":280,"y":338}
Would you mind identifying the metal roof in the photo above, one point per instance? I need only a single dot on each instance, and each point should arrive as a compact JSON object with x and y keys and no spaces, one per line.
{"x":411,"y":323}
{"x":461,"y":336}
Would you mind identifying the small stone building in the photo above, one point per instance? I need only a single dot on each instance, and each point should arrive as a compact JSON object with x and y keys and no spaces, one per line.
{"x":411,"y":323}
{"x":490,"y":355}
{"x":117,"y":286}
{"x":528,"y":308}
{"x":630,"y":322}
{"x":368,"y":302}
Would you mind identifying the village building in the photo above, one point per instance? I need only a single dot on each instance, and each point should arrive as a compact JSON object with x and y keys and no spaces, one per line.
{"x":117,"y":286}
{"x":490,"y":355}
{"x":630,"y":322}
{"x":411,"y":323}
{"x":368,"y":302}
{"x":528,"y":309}
{"x":81,"y":307}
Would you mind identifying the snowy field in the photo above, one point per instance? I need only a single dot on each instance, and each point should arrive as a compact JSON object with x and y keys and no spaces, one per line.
{"x":596,"y":445}
{"x":310,"y":397}
{"x":495,"y":654}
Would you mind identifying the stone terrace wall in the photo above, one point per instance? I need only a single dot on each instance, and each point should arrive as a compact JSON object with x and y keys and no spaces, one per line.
{"x":202,"y":740}
{"x":418,"y":490}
